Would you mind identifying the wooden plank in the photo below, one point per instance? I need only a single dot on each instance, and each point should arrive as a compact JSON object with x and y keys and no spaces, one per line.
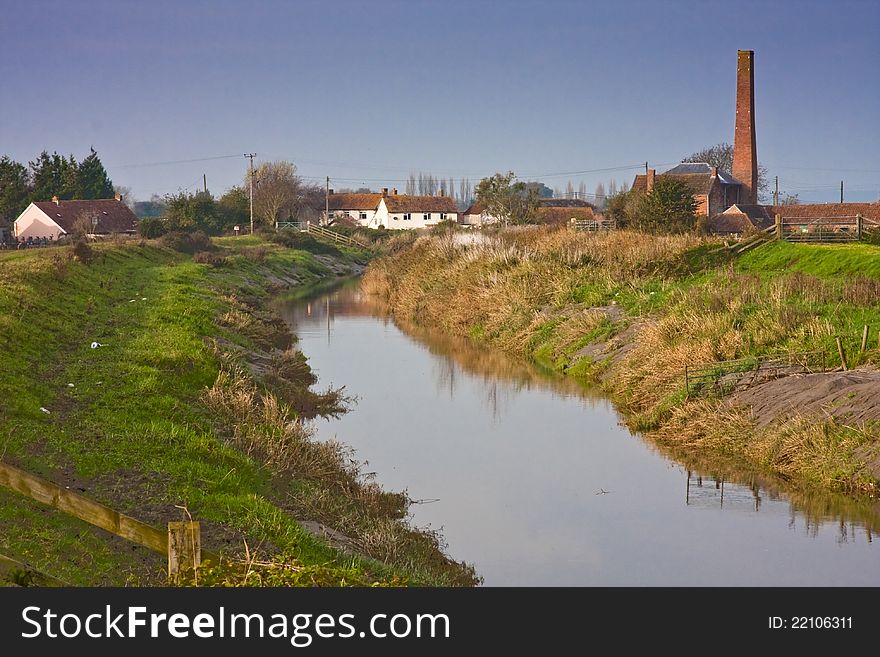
{"x":83,"y":508}
{"x":184,"y":547}
{"x":15,"y":573}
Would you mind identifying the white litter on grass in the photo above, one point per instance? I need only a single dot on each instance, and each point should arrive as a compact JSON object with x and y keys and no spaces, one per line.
{"x":95,"y":345}
{"x":45,"y":410}
{"x":132,"y":300}
{"x":99,"y":383}
{"x":143,"y":298}
{"x":69,"y":385}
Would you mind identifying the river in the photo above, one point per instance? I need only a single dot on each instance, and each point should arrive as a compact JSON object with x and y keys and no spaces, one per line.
{"x":533,"y":479}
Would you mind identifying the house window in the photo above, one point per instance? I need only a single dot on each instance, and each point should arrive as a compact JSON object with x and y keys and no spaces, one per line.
{"x":407,"y":216}
{"x":442,"y":216}
{"x":363,"y":216}
{"x":427,"y":216}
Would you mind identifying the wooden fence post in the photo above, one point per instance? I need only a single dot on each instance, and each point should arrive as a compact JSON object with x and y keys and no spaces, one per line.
{"x":865,"y":338}
{"x":842,"y":355}
{"x":184,"y":547}
{"x":779,"y":226}
{"x":859,"y":227}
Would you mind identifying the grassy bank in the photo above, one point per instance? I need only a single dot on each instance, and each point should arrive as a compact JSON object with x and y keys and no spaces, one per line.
{"x":191,"y":402}
{"x":631,"y":310}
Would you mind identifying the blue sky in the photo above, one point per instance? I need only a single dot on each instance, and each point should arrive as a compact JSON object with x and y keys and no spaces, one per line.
{"x":366,"y":92}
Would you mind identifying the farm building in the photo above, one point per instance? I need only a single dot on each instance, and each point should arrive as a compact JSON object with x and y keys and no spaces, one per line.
{"x":56,"y":219}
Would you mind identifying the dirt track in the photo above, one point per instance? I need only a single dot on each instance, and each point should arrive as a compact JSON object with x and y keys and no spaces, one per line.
{"x":853,"y":396}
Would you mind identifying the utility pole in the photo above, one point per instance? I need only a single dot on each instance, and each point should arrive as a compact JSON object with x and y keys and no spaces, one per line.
{"x":646,"y":168}
{"x":327,"y":202}
{"x":841,"y":191}
{"x":205,"y":179}
{"x":776,"y":193}
{"x":251,"y":178}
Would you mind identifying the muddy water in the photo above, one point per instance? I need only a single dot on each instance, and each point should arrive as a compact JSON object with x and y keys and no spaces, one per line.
{"x":533,"y":480}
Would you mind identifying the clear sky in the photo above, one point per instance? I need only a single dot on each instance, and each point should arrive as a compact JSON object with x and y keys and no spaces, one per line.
{"x":366,"y":92}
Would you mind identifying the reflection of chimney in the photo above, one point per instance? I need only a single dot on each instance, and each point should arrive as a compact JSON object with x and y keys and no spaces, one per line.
{"x":394,"y":191}
{"x":745,"y":155}
{"x":384,"y":192}
{"x":649,"y":179}
{"x":55,"y":200}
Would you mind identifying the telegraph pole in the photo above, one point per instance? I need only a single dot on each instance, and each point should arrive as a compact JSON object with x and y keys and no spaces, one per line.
{"x":327,"y":203}
{"x":776,"y":193}
{"x":251,"y":177}
{"x":841,"y":191}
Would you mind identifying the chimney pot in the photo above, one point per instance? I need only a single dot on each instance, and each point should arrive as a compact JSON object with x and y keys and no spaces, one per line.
{"x":55,"y":200}
{"x":394,"y":191}
{"x":714,"y":172}
{"x":442,"y":192}
{"x":330,"y":191}
{"x":649,"y":179}
{"x":384,"y":192}
{"x":117,"y":196}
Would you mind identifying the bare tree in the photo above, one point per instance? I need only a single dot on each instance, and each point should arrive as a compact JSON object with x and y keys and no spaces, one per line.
{"x":464,"y":191}
{"x":600,"y":195}
{"x":569,"y":190}
{"x":411,"y":185}
{"x":85,"y":223}
{"x":277,"y":191}
{"x":582,"y":190}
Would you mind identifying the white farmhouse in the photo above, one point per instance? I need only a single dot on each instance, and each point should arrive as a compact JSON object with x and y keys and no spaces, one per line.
{"x":401,"y":212}
{"x":55,"y":219}
{"x":357,"y":207}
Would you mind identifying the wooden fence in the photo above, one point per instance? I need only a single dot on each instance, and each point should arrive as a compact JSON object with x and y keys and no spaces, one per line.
{"x":321,"y":232}
{"x":181,"y":542}
{"x":591,"y":225}
{"x":726,"y":376}
{"x":822,"y":229}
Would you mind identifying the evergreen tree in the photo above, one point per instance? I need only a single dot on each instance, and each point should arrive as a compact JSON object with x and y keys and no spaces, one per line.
{"x":54,"y":175}
{"x":14,"y":188}
{"x":93,"y":181}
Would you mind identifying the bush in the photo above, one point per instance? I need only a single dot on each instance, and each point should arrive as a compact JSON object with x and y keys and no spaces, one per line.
{"x":83,"y":252}
{"x":152,"y":227}
{"x":303,"y":241}
{"x":183,"y":242}
{"x":208,"y":258}
{"x":255,"y":253}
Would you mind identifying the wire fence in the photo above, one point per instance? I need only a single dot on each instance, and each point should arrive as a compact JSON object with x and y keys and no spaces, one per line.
{"x":724,"y":377}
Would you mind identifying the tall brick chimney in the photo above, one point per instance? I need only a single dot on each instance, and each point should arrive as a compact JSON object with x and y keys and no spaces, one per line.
{"x":649,"y":179}
{"x":745,"y":154}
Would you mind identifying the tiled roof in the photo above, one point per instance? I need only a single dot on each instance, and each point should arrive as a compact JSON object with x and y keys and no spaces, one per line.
{"x":113,"y":216}
{"x":812,"y":211}
{"x":555,"y":214}
{"x":354,"y":201}
{"x":403,"y":203}
{"x":477,"y":208}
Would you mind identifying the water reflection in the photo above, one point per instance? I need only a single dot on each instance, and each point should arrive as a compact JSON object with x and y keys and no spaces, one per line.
{"x":538,"y":483}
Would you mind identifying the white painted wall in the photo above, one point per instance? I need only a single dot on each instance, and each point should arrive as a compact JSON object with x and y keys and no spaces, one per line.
{"x":396,"y":221}
{"x":369,"y":222}
{"x":33,"y":222}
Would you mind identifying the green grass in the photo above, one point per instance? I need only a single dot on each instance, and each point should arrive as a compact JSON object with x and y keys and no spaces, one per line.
{"x":125,"y":419}
{"x":824,"y":260}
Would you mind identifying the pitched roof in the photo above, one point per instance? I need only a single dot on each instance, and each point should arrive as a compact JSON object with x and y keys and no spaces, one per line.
{"x":740,"y":217}
{"x":697,"y":175}
{"x":113,"y":216}
{"x":555,"y":214}
{"x":354,"y":201}
{"x":477,"y":208}
{"x":812,"y":211}
{"x":397,"y":203}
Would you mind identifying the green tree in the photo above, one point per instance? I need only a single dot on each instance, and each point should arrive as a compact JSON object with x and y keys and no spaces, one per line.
{"x":14,"y":188}
{"x":507,"y":201}
{"x":190,"y":212}
{"x":54,"y":175}
{"x":92,"y":179}
{"x":623,"y":207}
{"x":668,"y":208}
{"x":235,"y":206}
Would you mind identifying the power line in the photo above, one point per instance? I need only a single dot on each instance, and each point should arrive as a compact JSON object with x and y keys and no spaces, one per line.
{"x":169,"y":162}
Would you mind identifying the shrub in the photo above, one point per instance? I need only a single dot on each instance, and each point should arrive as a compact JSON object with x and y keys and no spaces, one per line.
{"x":152,"y":227}
{"x":183,"y":242}
{"x":82,"y":252}
{"x":208,"y":258}
{"x":255,"y":253}
{"x":303,"y":241}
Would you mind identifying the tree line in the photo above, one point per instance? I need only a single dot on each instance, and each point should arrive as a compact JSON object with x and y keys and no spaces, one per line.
{"x":48,"y":176}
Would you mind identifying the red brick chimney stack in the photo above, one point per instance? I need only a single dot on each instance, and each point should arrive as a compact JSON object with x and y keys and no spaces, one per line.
{"x":745,"y":154}
{"x":649,"y":179}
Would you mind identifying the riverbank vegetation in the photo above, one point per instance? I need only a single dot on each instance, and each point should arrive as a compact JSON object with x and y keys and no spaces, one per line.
{"x":159,"y":383}
{"x":631,"y":310}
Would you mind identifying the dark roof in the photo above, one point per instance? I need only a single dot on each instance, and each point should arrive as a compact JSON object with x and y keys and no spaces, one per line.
{"x":555,"y":214}
{"x":113,"y":216}
{"x":812,"y":211}
{"x":402,"y":203}
{"x":354,"y":201}
{"x":697,"y":175}
{"x":475,"y":208}
{"x":740,"y":217}
{"x":564,"y":203}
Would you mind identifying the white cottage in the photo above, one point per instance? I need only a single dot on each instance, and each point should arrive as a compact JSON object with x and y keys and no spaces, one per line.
{"x":401,"y":212}
{"x":55,"y":219}
{"x":357,"y":207}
